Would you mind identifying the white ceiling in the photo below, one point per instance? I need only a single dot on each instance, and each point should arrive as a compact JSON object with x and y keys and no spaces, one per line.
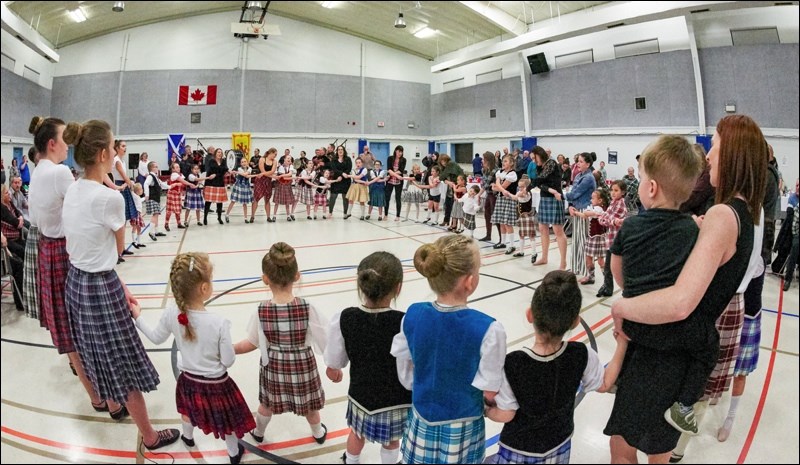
{"x":459,"y":24}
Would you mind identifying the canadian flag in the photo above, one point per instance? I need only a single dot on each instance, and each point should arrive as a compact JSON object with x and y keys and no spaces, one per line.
{"x":197,"y":95}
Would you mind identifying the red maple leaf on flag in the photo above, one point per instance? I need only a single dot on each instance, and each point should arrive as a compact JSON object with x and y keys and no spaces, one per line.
{"x":197,"y":95}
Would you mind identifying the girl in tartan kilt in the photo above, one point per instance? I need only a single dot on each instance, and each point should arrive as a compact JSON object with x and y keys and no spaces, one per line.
{"x":306,"y":189}
{"x":137,"y":222}
{"x":505,"y":211}
{"x":413,"y":195}
{"x":98,"y":302}
{"x":177,"y":184}
{"x":377,"y":190}
{"x":448,"y":387}
{"x":284,"y":329}
{"x":595,"y":245}
{"x":283,"y":190}
{"x":527,"y":215}
{"x":194,"y":197}
{"x":378,"y":405}
{"x":242,"y":192}
{"x":457,"y":215}
{"x":322,"y":183}
{"x":470,"y":204}
{"x":358,"y":191}
{"x":206,"y":397}
{"x":262,"y":184}
{"x":153,"y":188}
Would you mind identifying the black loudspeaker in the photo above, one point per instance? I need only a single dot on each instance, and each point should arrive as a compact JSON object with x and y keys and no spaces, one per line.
{"x":538,"y":63}
{"x":133,"y":161}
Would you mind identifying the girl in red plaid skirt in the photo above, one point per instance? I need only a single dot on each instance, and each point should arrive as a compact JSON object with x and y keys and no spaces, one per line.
{"x":206,"y":396}
{"x":177,"y":185}
{"x":595,"y":245}
{"x":285,"y":328}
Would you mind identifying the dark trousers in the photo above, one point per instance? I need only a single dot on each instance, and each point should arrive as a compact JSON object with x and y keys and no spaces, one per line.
{"x":448,"y":208}
{"x":398,"y":192}
{"x":608,"y":278}
{"x":488,"y":209}
{"x":15,"y":253}
{"x":769,"y":240}
{"x":791,"y":261}
{"x":332,"y":202}
{"x":208,"y":209}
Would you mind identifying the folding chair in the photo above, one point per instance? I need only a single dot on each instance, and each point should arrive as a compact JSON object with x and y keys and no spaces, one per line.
{"x":7,"y":272}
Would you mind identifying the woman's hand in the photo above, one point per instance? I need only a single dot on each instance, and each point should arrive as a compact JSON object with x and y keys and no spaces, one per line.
{"x":334,"y":374}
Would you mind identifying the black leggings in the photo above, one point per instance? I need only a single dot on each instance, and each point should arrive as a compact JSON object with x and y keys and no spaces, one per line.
{"x":208,"y":209}
{"x":332,"y":202}
{"x":608,"y":278}
{"x":448,"y":208}
{"x":398,"y":192}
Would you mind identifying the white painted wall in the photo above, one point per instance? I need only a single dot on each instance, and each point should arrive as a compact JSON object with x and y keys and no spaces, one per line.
{"x":24,"y":56}
{"x":205,"y":42}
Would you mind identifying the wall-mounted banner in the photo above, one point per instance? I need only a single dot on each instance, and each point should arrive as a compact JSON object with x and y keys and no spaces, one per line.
{"x":241,"y":141}
{"x":197,"y":95}
{"x":612,"y":158}
{"x":175,"y":144}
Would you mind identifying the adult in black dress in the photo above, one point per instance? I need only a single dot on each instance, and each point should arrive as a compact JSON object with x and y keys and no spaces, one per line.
{"x":396,"y":168}
{"x":340,"y":164}
{"x":214,"y":191}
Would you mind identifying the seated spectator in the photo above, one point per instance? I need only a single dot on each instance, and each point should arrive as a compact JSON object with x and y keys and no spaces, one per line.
{"x":19,"y":199}
{"x":11,"y":221}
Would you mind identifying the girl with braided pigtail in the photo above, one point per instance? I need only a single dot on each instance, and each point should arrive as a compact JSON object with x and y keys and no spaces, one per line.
{"x":206,"y":396}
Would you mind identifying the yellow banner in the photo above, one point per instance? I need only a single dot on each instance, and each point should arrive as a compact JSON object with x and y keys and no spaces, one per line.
{"x":241,"y":141}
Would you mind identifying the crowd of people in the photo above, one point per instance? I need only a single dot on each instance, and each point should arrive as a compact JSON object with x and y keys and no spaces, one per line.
{"x":686,"y":329}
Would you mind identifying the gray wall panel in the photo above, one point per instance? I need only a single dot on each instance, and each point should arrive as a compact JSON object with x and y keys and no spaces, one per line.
{"x":145,"y":98}
{"x":761,"y":79}
{"x":22,"y":100}
{"x":279,"y":101}
{"x":466,"y":111}
{"x":222,"y":117}
{"x":86,"y":96}
{"x":601,"y":95}
{"x":337,"y":100}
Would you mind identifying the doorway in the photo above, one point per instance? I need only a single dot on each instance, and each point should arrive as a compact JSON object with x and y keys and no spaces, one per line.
{"x":463,"y":153}
{"x":380,"y":150}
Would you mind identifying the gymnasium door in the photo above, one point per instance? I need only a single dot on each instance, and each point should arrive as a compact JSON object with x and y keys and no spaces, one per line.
{"x":380,"y":150}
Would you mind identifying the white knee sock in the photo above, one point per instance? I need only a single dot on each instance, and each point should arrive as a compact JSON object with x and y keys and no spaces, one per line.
{"x":261,"y":423}
{"x":436,"y":216}
{"x":232,"y":444}
{"x":521,"y":244}
{"x":350,"y":458}
{"x":390,"y":455}
{"x":417,"y":213}
{"x":317,"y":430}
{"x":734,"y":406}
{"x":699,"y":412}
{"x":362,"y":209}
{"x":188,"y":430}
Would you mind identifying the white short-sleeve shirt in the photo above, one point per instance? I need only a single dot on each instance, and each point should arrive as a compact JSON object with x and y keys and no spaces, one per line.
{"x":49,"y":184}
{"x":92,"y":213}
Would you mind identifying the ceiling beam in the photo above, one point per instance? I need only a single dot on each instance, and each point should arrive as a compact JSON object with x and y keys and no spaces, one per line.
{"x":499,"y":17}
{"x":12,"y":24}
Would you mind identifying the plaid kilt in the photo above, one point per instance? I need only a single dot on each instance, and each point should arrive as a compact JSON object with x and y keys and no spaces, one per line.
{"x":527,"y":226}
{"x":242,"y":193}
{"x":381,"y":427}
{"x":729,"y":325}
{"x":138,"y":221}
{"x":414,"y":194}
{"x":747,"y":360}
{"x":151,"y":207}
{"x":357,"y":193}
{"x":551,"y":211}
{"x":283,"y":194}
{"x":458,"y":210}
{"x":321,"y":200}
{"x":53,"y":267}
{"x":559,"y":455}
{"x":174,"y":204}
{"x":595,"y":246}
{"x":505,"y":211}
{"x":377,"y":195}
{"x":306,"y":195}
{"x":290,"y":382}
{"x":194,"y":199}
{"x":215,"y":194}
{"x":30,"y":275}
{"x":105,"y":336}
{"x":469,"y":222}
{"x":130,"y":207}
{"x":458,"y":442}
{"x":215,"y":405}
{"x":262,"y":188}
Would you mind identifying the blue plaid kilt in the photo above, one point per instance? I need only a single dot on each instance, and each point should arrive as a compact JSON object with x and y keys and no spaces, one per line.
{"x":747,"y":359}
{"x":111,"y":350}
{"x":30,"y":275}
{"x":151,"y":207}
{"x":459,"y":442}
{"x":130,"y":207}
{"x":242,"y":193}
{"x":551,"y":211}
{"x":559,"y":455}
{"x":377,"y":195}
{"x":382,"y":427}
{"x":469,"y":222}
{"x":215,"y":405}
{"x":194,"y":199}
{"x":505,"y":211}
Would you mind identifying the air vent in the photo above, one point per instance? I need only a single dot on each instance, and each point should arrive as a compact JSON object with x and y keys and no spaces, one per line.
{"x":490,"y":76}
{"x":784,"y":3}
{"x":576,"y":58}
{"x":755,"y":36}
{"x":615,"y":25}
{"x":704,"y":10}
{"x":21,"y":39}
{"x":493,"y":113}
{"x":640,"y":103}
{"x":452,"y":85}
{"x":642,"y":47}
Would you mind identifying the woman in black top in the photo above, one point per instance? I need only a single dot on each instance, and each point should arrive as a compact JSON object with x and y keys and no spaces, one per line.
{"x":341,"y":164}
{"x":489,"y":176}
{"x":214,"y":191}
{"x":396,"y":168}
{"x":551,"y":210}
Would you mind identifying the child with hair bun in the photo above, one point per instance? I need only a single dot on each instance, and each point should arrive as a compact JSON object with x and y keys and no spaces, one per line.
{"x":284,"y":329}
{"x":378,"y":404}
{"x":206,"y":396}
{"x":448,"y":386}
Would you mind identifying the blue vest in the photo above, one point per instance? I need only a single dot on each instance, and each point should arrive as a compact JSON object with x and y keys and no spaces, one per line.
{"x":446,"y":350}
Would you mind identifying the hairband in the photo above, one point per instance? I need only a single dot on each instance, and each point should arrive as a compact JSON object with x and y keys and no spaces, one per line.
{"x":191,"y":264}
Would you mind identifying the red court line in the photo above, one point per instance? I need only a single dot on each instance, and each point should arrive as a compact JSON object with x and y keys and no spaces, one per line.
{"x":767,"y":380}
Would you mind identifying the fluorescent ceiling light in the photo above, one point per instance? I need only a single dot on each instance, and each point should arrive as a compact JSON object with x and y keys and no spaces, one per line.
{"x":77,"y":15}
{"x":329,"y":4}
{"x":425,"y":32}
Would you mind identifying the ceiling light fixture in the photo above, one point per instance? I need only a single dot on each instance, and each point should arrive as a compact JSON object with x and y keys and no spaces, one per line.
{"x":425,"y":32}
{"x":77,"y":15}
{"x":255,"y":5}
{"x":118,"y":7}
{"x":400,"y":23}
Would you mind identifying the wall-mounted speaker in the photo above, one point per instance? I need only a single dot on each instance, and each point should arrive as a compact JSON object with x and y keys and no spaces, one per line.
{"x":133,"y":161}
{"x":538,"y":63}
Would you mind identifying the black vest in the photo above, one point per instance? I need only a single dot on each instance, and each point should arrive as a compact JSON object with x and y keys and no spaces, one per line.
{"x":373,"y":369}
{"x":545,"y":391}
{"x":155,"y":189}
